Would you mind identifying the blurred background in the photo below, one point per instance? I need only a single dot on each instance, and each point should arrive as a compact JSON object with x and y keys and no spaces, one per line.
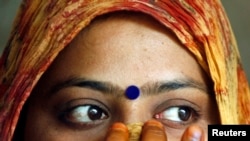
{"x":237,"y":10}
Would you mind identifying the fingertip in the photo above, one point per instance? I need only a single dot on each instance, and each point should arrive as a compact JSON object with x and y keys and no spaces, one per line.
{"x":119,"y":126}
{"x":193,"y":133}
{"x":153,"y":130}
{"x":118,"y":132}
{"x":154,"y":123}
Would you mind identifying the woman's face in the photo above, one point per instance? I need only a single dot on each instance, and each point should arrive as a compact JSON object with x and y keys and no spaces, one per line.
{"x":83,"y":92}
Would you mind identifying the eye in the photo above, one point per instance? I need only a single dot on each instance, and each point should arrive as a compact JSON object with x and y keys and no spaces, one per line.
{"x":85,"y":115}
{"x":178,"y":114}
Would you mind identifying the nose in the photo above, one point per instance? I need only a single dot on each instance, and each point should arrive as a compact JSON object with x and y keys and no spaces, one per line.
{"x":136,"y":112}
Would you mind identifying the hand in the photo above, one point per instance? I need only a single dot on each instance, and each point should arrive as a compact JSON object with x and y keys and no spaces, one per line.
{"x":153,"y":131}
{"x":118,"y":132}
{"x":193,"y":133}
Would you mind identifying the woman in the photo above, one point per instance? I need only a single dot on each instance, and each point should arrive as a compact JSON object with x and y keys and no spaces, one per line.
{"x":77,"y":34}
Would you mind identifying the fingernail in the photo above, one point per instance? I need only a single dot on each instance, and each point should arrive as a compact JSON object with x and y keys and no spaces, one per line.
{"x":154,"y":123}
{"x":196,"y":136}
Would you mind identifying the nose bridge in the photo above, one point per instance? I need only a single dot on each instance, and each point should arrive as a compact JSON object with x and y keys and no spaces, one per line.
{"x":135,"y":112}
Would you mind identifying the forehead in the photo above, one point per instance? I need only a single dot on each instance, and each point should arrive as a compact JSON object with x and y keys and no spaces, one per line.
{"x":125,"y":32}
{"x":126,"y":49}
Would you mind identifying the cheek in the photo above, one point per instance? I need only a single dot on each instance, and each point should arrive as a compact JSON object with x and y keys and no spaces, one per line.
{"x":37,"y":126}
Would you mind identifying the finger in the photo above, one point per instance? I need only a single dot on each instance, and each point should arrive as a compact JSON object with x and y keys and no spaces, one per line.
{"x":193,"y":133}
{"x":153,"y":131}
{"x":118,"y":132}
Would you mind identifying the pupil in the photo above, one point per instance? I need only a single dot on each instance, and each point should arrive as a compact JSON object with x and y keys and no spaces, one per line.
{"x":94,"y":113}
{"x":184,"y":113}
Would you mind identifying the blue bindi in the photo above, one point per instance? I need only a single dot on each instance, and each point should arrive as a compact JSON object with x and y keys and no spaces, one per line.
{"x":132,"y":92}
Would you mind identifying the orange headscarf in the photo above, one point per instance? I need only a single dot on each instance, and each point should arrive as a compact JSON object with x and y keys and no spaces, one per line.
{"x":44,"y":27}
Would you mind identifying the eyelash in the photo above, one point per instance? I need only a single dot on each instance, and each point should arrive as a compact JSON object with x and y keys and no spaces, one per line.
{"x":68,"y":114}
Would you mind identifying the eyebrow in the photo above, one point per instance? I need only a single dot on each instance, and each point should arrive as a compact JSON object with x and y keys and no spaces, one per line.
{"x":102,"y":86}
{"x":177,"y":84}
{"x":148,"y":88}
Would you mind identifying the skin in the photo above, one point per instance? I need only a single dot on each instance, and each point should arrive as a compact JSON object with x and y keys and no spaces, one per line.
{"x":140,"y":52}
